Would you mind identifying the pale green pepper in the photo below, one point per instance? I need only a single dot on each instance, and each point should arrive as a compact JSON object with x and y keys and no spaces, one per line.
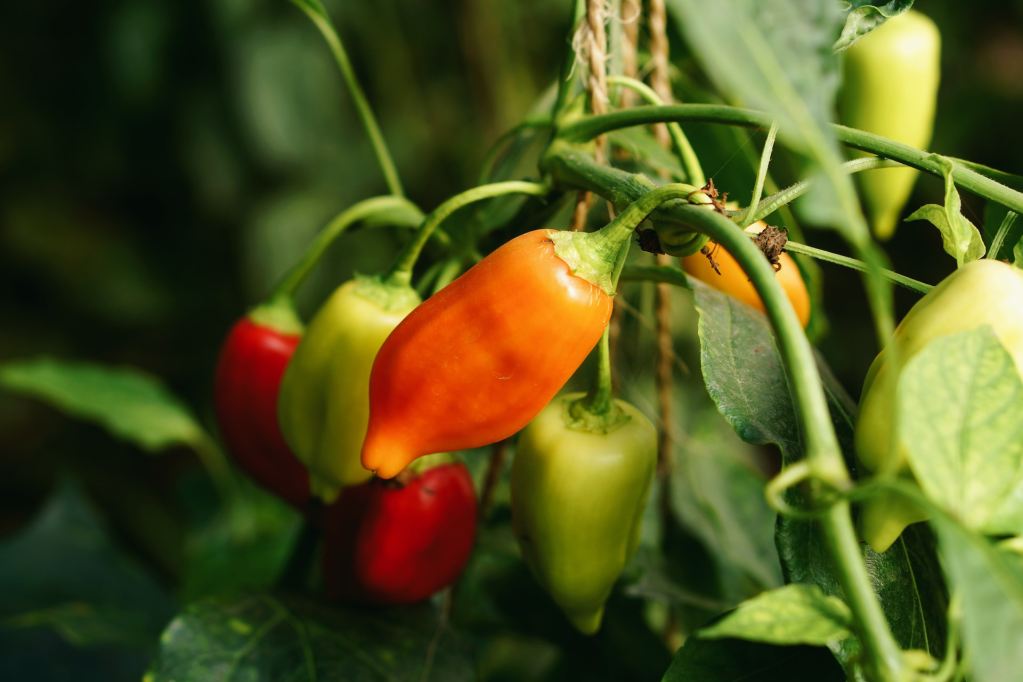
{"x":890,"y":88}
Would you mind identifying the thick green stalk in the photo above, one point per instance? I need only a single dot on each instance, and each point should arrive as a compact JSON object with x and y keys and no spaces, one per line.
{"x":318,"y":15}
{"x":401,"y":271}
{"x":823,"y":453}
{"x":591,"y":126}
{"x":401,"y":213}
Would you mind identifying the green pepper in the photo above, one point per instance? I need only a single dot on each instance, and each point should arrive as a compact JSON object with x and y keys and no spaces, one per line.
{"x":579,"y":486}
{"x":983,"y":292}
{"x":891,"y":88}
{"x":323,"y":406}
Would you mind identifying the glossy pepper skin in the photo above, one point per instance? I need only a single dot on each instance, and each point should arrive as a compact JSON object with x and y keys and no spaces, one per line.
{"x":577,"y":501}
{"x":248,"y":377}
{"x":392,"y":543}
{"x":983,"y":292}
{"x":475,"y":362}
{"x":323,"y":404}
{"x":891,"y":88}
{"x":734,"y":282}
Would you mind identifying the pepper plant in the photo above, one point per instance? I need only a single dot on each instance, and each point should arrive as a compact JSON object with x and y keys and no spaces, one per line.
{"x":434,"y":482}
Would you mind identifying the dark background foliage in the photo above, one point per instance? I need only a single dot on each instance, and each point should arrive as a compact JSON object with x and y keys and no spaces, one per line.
{"x":161,"y":163}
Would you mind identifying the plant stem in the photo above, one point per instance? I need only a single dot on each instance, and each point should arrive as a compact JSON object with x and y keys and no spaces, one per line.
{"x":758,"y":186}
{"x":690,"y":162}
{"x":403,"y":214}
{"x":318,"y":15}
{"x":964,"y":176}
{"x":854,"y":264}
{"x":401,"y":271}
{"x":772,"y":203}
{"x":998,"y":242}
{"x":566,"y":78}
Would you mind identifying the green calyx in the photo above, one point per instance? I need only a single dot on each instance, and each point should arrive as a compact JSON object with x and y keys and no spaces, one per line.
{"x":597,"y":256}
{"x":579,"y":416}
{"x":387,"y":293}
{"x":278,"y":314}
{"x":421,"y":465}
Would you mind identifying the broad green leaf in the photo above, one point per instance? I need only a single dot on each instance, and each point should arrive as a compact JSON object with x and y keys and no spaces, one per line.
{"x":959,"y":237}
{"x":990,"y":584}
{"x":794,"y":614}
{"x":737,"y":660}
{"x":129,"y":403}
{"x":264,"y":637}
{"x":776,"y":55}
{"x":71,"y":596}
{"x":960,"y":406}
{"x":864,"y":16}
{"x":242,"y":547}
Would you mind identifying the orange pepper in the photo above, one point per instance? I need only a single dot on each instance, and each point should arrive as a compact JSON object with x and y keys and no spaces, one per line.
{"x":478,"y":360}
{"x":733,"y":281}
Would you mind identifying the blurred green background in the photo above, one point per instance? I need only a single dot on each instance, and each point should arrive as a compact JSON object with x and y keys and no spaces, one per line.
{"x":162,"y":163}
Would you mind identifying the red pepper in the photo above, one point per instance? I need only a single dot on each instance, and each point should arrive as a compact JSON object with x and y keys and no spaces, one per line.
{"x":479,"y":359}
{"x":248,"y":377}
{"x":391,"y":543}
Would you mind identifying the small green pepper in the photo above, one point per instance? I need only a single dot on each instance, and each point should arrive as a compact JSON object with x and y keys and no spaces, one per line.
{"x":983,"y":292}
{"x":891,"y":88}
{"x":579,"y":486}
{"x":323,"y":406}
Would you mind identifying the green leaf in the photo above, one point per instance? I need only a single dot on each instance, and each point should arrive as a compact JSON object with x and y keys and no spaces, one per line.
{"x":776,"y":56}
{"x":264,"y":637}
{"x":990,"y":584}
{"x":794,"y":614}
{"x":70,"y":594}
{"x":959,"y":405}
{"x":242,"y":547}
{"x":127,"y":402}
{"x":864,"y":16}
{"x":744,"y":376}
{"x":959,"y":237}
{"x":736,"y":660}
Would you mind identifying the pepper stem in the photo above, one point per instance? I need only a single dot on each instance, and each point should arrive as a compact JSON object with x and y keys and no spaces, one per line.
{"x":596,"y":256}
{"x":401,"y":272}
{"x":400,"y":212}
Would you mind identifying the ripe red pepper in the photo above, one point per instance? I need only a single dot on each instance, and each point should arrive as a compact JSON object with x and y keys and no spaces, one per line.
{"x":248,"y":377}
{"x":387,"y":542}
{"x":479,"y":359}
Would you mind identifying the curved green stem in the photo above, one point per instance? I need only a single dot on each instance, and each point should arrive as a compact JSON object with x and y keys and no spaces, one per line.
{"x":402,"y":213}
{"x":758,"y":186}
{"x":690,"y":162}
{"x":318,"y":15}
{"x":772,"y":203}
{"x":401,"y":271}
{"x":490,"y":159}
{"x":591,"y":126}
{"x":822,"y":450}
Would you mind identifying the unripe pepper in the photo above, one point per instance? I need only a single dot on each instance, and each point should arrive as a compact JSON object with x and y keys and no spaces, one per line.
{"x":579,"y":486}
{"x":246,"y":384}
{"x":732,"y":280}
{"x":983,"y":292}
{"x":476,"y":361}
{"x":890,"y":88}
{"x":391,"y":542}
{"x":323,"y":400}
